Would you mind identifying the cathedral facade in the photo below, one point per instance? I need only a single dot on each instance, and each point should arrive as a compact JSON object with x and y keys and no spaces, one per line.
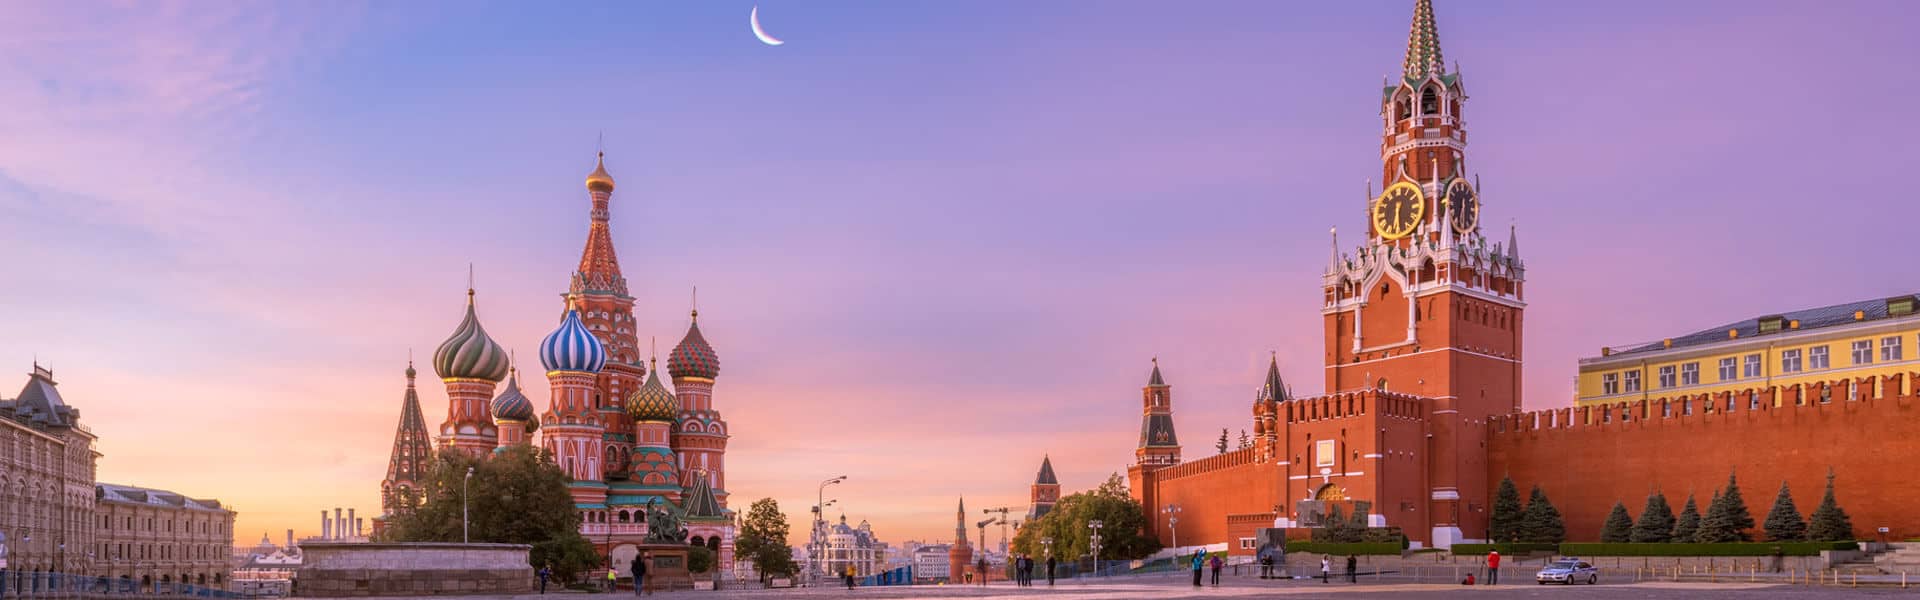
{"x":630,"y":443}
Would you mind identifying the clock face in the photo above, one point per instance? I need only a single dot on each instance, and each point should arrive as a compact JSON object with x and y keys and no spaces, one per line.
{"x":1398,"y":210}
{"x":1463,"y":205}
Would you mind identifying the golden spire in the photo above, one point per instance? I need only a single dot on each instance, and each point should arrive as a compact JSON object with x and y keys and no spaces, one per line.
{"x":599,"y":178}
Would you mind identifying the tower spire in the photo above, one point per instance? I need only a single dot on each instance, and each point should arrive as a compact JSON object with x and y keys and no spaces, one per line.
{"x":1423,"y":44}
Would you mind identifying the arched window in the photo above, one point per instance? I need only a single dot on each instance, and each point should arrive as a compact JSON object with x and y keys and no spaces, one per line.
{"x":1430,"y":102}
{"x":1404,"y":109}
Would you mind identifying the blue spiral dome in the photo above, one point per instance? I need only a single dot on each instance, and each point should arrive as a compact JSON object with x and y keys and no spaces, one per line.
{"x":511,"y":405}
{"x":572,"y":347}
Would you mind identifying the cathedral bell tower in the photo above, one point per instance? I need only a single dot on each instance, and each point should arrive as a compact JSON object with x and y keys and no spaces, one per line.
{"x":1427,"y":305}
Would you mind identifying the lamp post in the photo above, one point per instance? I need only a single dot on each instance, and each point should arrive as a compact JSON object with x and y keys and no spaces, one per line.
{"x":1172,"y":511}
{"x":464,"y":539}
{"x":1095,"y":525}
{"x":819,"y":521}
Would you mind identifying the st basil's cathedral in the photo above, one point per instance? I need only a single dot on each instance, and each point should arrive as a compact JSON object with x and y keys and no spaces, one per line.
{"x":627,"y":441}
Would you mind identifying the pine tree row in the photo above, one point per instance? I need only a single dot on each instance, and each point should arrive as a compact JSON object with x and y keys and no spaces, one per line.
{"x":1726,"y":519}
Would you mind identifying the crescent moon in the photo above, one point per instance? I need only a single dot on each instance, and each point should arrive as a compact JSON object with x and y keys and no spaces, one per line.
{"x":754,"y":18}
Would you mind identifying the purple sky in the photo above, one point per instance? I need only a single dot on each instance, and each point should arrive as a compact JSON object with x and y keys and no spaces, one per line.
{"x":933,"y":240}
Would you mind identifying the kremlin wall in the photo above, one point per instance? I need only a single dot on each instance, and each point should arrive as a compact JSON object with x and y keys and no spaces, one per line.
{"x":1423,"y":327}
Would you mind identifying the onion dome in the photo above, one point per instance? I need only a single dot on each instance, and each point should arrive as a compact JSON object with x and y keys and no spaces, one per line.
{"x":653,"y":402}
{"x":511,"y":405}
{"x":469,"y":353}
{"x":694,"y":357}
{"x":572,"y":347}
{"x":599,"y":180}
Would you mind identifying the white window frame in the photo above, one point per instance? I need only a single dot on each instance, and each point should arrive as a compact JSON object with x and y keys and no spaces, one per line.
{"x":1632,"y":381}
{"x":1609,"y":384}
{"x":1863,"y":352}
{"x":1818,"y":357}
{"x":1729,"y":369}
{"x":1890,"y":350}
{"x":1667,"y":377}
{"x":1326,"y":453}
{"x":1790,"y":361}
{"x":1750,"y":366}
{"x":1690,"y":373}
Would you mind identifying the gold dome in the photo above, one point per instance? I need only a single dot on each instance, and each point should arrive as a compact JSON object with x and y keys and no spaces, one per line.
{"x":599,"y":178}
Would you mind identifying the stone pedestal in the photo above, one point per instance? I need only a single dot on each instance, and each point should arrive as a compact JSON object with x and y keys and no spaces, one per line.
{"x":667,"y":569}
{"x":339,"y":569}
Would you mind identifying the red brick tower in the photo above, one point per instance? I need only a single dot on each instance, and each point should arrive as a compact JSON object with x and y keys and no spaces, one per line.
{"x":700,"y":435}
{"x":960,"y":557}
{"x":407,"y":466}
{"x":600,"y":292}
{"x":571,"y":428}
{"x":1046,"y":490}
{"x":1159,"y":447}
{"x":470,"y":364}
{"x":1428,"y":306}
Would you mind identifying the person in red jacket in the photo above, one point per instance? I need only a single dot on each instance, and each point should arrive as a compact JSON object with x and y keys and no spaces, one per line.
{"x":1493,"y":568}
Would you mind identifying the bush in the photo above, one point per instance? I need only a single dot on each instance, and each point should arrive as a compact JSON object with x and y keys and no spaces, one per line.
{"x":1342,"y":549}
{"x":699,"y":559}
{"x":1508,"y":549}
{"x":1582,"y":549}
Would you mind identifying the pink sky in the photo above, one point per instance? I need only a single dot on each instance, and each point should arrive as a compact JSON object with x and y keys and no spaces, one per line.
{"x":933,"y":241}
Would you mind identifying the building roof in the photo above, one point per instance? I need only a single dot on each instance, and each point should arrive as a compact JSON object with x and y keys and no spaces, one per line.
{"x":1423,"y":44}
{"x":700,"y":501}
{"x":694,"y":357}
{"x":1155,"y":378}
{"x":469,"y":353}
{"x":1809,"y":319}
{"x":127,"y":494}
{"x":1046,"y":472}
{"x":39,"y":403}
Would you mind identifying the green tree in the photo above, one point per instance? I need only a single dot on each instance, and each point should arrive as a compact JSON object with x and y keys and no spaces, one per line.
{"x":1222,"y":444}
{"x":1542,"y":523}
{"x":1619,"y":525}
{"x":1783,"y":521}
{"x":1504,"y":525}
{"x":699,"y":559}
{"x":1688,"y":525}
{"x":1727,"y":519}
{"x":762,"y":539}
{"x":1830,"y":523}
{"x":1245,"y":442}
{"x":1656,"y":520}
{"x":518,"y":496}
{"x":1122,"y":533}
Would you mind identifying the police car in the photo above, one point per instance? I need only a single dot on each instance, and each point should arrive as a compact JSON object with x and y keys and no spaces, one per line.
{"x":1568,"y":571}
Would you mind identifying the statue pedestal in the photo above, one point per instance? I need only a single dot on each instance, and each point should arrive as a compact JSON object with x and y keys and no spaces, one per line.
{"x":666,"y":567}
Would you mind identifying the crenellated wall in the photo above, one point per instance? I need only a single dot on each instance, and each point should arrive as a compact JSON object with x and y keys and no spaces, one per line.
{"x":1866,"y":430}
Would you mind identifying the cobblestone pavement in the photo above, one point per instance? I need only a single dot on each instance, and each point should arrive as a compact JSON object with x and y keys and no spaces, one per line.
{"x":1170,"y":589}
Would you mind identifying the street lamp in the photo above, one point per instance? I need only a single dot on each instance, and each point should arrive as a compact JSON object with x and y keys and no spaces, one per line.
{"x":819,"y":521}
{"x":1095,"y":524}
{"x":464,"y":539}
{"x":1172,"y":511}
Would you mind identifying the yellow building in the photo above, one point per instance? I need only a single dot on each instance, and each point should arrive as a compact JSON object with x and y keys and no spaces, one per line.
{"x":1853,"y":340}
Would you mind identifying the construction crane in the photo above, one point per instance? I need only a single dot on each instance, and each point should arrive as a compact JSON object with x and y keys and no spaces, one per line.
{"x":1003,"y":525}
{"x":983,"y":534}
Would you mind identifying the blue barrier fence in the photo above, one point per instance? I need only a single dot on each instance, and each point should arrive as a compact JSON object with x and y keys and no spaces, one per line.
{"x":43,"y":584}
{"x":899,"y":576}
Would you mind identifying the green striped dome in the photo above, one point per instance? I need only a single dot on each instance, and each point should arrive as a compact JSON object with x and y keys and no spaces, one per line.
{"x":469,"y":353}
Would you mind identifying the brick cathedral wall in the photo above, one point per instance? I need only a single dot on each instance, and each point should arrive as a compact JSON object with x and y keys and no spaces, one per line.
{"x":1870,"y":441}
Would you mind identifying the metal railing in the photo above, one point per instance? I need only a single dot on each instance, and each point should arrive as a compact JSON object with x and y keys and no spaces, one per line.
{"x":46,"y":584}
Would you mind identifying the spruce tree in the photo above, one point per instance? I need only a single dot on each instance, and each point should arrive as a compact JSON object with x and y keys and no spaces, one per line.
{"x":1504,"y":525}
{"x":1783,"y":521}
{"x":1222,"y":444}
{"x":1619,"y":526}
{"x":1688,"y":525}
{"x":1542,"y":523}
{"x":1830,"y":523}
{"x":1717,"y":524}
{"x":1656,"y":521}
{"x":1737,"y":514}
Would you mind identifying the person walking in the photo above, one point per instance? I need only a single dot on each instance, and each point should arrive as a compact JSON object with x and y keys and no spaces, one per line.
{"x":1326,"y":570}
{"x":849,"y":575}
{"x":1353,"y":569}
{"x":1266,"y":566}
{"x":1199,"y":562}
{"x":1214,"y":564}
{"x":1026,"y":570}
{"x":546,"y":572}
{"x":982,"y":566}
{"x":613,"y":579}
{"x":1050,"y":563}
{"x":639,"y":570}
{"x":1493,"y":567}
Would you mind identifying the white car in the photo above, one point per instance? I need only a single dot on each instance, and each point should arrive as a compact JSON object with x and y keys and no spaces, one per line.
{"x":1568,"y":571}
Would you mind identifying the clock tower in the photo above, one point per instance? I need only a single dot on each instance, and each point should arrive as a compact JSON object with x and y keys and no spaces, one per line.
{"x":1427,"y":305}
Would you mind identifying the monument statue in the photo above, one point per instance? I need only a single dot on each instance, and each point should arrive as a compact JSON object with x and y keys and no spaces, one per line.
{"x":663,"y":524}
